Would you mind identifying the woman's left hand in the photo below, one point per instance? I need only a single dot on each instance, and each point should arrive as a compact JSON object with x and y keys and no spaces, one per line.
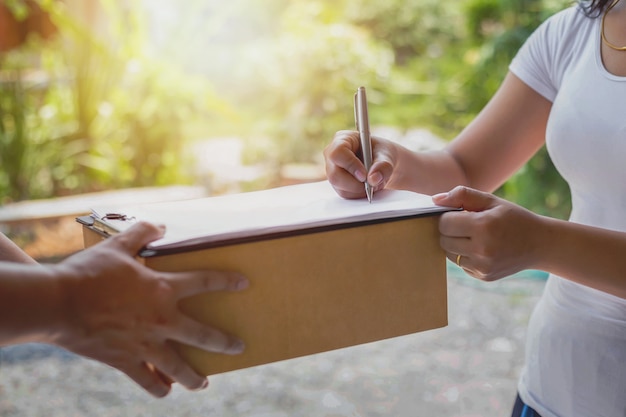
{"x":491,"y":238}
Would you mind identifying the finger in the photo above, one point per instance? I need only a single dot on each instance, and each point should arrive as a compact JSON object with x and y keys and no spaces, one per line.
{"x":137,"y":236}
{"x":342,"y":153}
{"x":186,"y":284}
{"x":457,"y":224}
{"x":464,"y":262}
{"x":467,"y":198}
{"x":455,"y":246}
{"x":456,"y":258}
{"x":379,"y":175}
{"x":193,"y":333}
{"x":347,"y":138}
{"x":165,"y":378}
{"x":346,"y":185}
{"x":148,"y":379}
{"x":382,"y":168}
{"x":171,"y":366}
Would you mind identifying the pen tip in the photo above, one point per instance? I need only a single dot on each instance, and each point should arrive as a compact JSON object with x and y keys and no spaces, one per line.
{"x":369,"y":192}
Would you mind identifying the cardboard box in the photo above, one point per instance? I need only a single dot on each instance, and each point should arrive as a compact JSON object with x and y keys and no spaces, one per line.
{"x":317,"y":290}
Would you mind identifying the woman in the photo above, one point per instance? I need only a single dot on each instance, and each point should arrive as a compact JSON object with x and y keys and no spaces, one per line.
{"x":566,"y":88}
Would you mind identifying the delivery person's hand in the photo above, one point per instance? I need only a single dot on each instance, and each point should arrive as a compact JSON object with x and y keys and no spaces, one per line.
{"x":124,"y":314}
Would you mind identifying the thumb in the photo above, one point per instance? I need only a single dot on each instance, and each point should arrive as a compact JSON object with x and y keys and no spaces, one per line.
{"x":139,"y":235}
{"x":466,"y":198}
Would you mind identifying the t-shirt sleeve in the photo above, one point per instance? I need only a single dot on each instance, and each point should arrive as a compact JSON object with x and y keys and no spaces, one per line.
{"x":540,"y":62}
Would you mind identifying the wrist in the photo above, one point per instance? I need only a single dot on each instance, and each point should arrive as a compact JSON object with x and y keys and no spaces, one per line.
{"x":30,"y":304}
{"x":50,"y":306}
{"x":542,"y":242}
{"x":62,"y":321}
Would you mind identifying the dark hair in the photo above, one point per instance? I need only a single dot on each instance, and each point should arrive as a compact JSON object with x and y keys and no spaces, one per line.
{"x":593,"y":8}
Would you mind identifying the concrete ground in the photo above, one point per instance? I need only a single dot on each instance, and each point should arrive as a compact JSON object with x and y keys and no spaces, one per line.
{"x":467,"y":369}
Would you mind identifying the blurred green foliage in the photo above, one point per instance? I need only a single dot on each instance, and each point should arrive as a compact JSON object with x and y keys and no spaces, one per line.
{"x":121,"y":104}
{"x":92,"y":110}
{"x":497,"y":29}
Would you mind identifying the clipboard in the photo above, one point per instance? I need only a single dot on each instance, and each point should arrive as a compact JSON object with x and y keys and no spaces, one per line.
{"x":259,"y":215}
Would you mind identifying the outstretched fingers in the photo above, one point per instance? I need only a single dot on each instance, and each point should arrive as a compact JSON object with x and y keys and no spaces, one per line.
{"x":148,"y":378}
{"x":192,"y":332}
{"x":205,"y":337}
{"x":161,"y":370}
{"x":170,"y":366}
{"x":186,"y":284}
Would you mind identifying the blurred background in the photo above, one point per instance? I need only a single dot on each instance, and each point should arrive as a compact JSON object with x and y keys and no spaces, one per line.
{"x":166,"y":99}
{"x":109,"y":94}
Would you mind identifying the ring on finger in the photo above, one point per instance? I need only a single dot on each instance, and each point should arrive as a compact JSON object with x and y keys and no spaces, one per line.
{"x":458,"y":260}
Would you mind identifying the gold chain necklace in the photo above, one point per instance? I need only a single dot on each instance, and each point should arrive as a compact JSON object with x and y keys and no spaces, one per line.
{"x":604,"y":39}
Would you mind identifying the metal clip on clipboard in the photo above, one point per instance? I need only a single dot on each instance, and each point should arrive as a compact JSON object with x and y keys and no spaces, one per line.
{"x":110,"y":224}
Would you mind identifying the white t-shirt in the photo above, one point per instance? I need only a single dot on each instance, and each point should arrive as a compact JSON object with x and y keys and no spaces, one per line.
{"x":576,"y":340}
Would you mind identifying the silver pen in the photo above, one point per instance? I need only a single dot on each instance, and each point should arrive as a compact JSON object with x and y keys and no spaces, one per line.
{"x":363,"y":127}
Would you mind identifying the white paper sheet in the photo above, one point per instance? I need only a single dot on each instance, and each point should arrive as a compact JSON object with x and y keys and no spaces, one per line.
{"x":283,"y":209}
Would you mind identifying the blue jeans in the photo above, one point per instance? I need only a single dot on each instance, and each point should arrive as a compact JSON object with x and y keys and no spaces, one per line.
{"x":522,"y":410}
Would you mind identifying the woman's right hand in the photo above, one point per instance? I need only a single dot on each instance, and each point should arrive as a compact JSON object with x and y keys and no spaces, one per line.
{"x":346,"y":172}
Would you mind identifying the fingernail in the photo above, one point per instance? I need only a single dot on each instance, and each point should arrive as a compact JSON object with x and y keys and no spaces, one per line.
{"x":376,"y":178}
{"x":242,"y":284}
{"x":360,"y":175}
{"x":163,"y":392}
{"x":236,"y":348}
{"x":440,"y":196}
{"x":205,"y":384}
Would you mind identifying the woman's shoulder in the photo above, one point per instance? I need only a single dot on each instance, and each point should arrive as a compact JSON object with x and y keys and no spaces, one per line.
{"x":564,"y":33}
{"x":547,"y":54}
{"x":569,"y":22}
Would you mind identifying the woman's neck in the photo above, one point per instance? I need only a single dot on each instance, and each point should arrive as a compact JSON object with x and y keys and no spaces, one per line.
{"x":614,"y":33}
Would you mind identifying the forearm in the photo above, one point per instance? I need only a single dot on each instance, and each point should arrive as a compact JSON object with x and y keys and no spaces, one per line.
{"x":30,"y":304}
{"x":487,"y":152}
{"x":10,"y":252}
{"x":428,"y":172}
{"x":588,"y":255}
